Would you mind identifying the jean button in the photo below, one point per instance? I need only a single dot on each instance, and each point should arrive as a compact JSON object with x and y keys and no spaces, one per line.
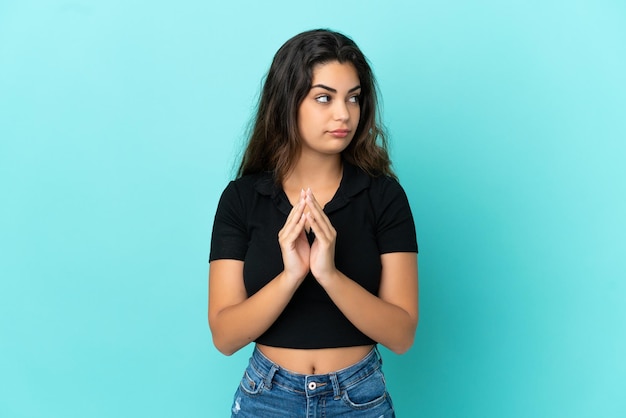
{"x":312,"y":385}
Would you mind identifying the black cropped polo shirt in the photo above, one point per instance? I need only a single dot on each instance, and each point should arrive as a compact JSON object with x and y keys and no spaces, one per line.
{"x":371,"y":216}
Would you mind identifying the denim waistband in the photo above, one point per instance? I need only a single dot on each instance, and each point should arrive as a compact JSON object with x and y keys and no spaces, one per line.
{"x":315,"y":384}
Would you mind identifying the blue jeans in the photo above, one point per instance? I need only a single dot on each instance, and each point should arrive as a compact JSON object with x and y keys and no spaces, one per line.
{"x":267,"y":390}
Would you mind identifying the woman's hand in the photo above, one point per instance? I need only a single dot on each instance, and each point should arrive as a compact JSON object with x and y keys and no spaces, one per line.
{"x":293,"y":243}
{"x":322,"y":261}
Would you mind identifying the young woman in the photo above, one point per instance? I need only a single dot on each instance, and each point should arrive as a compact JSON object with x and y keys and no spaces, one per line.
{"x":313,"y":253}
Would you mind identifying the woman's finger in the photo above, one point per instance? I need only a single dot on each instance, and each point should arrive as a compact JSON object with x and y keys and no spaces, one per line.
{"x":291,"y":230}
{"x":317,"y":218}
{"x":296,"y":210}
{"x":294,"y":217}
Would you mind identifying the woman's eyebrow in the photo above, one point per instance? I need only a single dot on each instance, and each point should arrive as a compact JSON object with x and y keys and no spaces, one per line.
{"x":334,"y":90}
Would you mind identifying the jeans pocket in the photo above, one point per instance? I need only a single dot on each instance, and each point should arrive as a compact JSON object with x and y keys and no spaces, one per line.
{"x":368,"y":393}
{"x":251,"y":382}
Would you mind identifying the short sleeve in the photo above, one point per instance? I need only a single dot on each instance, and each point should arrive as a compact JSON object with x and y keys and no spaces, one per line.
{"x":229,"y":239}
{"x":395,"y":227}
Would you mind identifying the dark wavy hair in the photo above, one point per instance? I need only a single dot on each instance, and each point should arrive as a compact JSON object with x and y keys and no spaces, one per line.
{"x":274,"y":142}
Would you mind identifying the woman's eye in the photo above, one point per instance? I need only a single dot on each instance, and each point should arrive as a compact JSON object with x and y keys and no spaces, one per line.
{"x":323,"y":99}
{"x":354,"y":99}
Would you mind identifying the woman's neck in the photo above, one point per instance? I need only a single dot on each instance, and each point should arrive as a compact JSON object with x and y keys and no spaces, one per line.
{"x":318,"y":173}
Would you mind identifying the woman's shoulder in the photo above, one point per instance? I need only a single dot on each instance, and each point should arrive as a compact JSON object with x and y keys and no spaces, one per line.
{"x":249,"y":183}
{"x":386,"y":191}
{"x":384,"y":183}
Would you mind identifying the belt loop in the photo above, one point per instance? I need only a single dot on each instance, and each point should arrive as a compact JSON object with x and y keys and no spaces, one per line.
{"x":380,"y":357}
{"x":270,"y":376}
{"x":336,"y":388}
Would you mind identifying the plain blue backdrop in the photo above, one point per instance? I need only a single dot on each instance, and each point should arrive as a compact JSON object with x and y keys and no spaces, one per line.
{"x":121,"y":122}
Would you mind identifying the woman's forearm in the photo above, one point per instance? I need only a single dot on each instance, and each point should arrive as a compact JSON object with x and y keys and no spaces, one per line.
{"x":235,"y":326}
{"x":384,"y":322}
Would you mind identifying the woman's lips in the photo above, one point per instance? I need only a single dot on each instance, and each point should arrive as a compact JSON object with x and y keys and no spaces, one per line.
{"x":339,"y":133}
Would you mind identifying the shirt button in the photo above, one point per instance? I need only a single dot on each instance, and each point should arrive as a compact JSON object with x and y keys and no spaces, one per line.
{"x":312,"y":385}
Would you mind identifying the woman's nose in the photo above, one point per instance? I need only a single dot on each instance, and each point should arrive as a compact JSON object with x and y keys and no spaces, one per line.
{"x":341,"y":111}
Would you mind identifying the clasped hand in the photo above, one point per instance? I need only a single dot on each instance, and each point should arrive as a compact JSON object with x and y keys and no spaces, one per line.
{"x":298,"y":256}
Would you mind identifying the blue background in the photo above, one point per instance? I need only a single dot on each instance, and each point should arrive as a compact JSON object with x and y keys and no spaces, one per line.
{"x":121,"y":122}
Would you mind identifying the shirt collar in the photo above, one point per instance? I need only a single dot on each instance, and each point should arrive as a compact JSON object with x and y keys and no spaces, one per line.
{"x":353,"y":181}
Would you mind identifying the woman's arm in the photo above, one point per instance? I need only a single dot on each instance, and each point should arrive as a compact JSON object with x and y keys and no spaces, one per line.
{"x":389,"y":318}
{"x":236,"y":319}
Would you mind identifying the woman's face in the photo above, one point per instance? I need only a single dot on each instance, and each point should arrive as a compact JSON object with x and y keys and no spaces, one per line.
{"x":329,"y":114}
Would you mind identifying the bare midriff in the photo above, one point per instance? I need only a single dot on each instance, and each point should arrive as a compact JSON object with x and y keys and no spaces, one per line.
{"x":315,"y":361}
